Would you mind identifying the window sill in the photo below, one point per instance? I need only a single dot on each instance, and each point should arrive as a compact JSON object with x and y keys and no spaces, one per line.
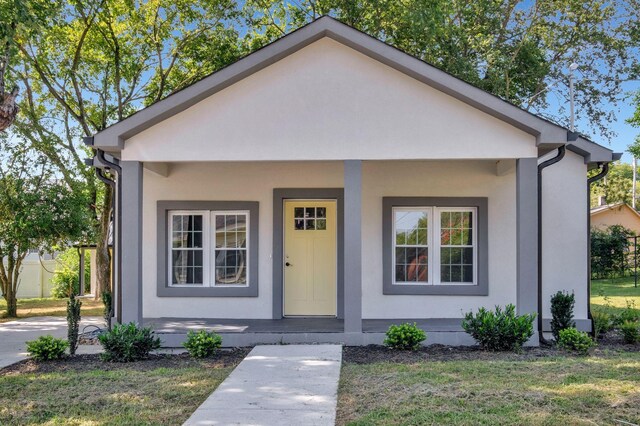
{"x":440,"y":289}
{"x":184,"y":291}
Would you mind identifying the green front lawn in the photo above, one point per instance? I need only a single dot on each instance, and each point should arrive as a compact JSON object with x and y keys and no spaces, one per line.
{"x":49,"y":307}
{"x":164,"y":391}
{"x":548,"y":391}
{"x":613,"y":294}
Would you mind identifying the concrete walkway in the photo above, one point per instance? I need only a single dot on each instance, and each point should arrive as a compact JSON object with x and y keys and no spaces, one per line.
{"x":14,"y":334}
{"x":277,"y":385}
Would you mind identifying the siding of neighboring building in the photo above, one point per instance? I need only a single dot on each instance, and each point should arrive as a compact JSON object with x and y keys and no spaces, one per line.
{"x":616,"y":215}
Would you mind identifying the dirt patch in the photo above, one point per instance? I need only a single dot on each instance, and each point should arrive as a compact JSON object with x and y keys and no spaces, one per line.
{"x":224,"y":358}
{"x":374,"y":353}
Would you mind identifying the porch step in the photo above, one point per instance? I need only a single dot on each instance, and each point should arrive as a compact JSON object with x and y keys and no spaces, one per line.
{"x":277,"y":385}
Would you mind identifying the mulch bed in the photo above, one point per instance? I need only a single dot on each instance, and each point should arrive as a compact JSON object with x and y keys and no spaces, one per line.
{"x":223,"y":358}
{"x":612,"y":342}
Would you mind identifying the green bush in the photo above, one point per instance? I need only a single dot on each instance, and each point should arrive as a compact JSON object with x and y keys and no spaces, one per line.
{"x":630,"y":331}
{"x":501,"y":330}
{"x":602,"y":323}
{"x":65,"y":279}
{"x":128,"y":342}
{"x":609,"y":249}
{"x":405,"y":337}
{"x":630,"y":313}
{"x":573,"y":340}
{"x":46,"y":348}
{"x":73,"y":323}
{"x":202,"y":344}
{"x":562,"y":312}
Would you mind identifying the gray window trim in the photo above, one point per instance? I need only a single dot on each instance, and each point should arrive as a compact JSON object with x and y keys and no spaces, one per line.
{"x":481,"y":289}
{"x":279,"y":196}
{"x":164,"y":290}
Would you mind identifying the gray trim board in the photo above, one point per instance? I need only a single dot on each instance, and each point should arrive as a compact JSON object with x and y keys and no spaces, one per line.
{"x":279,"y":196}
{"x":164,"y":290}
{"x":548,"y":135}
{"x":131,"y":247}
{"x":482,"y":287}
{"x":527,"y":235}
{"x":353,"y":246}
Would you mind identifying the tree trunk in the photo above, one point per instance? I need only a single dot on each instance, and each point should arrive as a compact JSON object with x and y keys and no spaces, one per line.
{"x":12,"y":302}
{"x":103,"y":256}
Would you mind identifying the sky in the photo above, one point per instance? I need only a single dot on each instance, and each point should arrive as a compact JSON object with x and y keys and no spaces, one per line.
{"x":625,"y":132}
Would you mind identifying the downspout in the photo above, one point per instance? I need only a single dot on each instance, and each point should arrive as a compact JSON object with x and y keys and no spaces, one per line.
{"x":592,"y":179}
{"x":117,"y":213}
{"x":117,"y":232}
{"x":561,"y":151}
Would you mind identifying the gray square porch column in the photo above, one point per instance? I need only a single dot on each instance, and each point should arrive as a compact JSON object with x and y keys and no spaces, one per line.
{"x":353,"y":246}
{"x":131,"y":246}
{"x":527,"y":235}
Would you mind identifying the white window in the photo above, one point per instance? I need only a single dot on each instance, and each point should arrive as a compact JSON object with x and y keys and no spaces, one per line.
{"x":434,"y":245}
{"x":198,"y":239}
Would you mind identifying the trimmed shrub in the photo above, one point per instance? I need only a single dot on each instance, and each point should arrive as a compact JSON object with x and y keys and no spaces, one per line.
{"x":602,"y":323}
{"x":65,"y":280}
{"x":202,"y":344}
{"x":46,"y":348}
{"x":577,"y":341}
{"x":73,"y":322}
{"x":562,"y":312}
{"x":499,"y":330}
{"x":630,"y":331}
{"x":405,"y":337}
{"x":127,"y":343}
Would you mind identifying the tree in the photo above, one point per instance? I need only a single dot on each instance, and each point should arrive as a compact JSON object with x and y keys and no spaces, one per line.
{"x":36,"y":211}
{"x":100,"y":61}
{"x":616,"y":186}
{"x":517,"y":50}
{"x":17,"y":17}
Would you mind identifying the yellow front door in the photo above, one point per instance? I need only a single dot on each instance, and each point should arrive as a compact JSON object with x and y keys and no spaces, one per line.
{"x":310,"y":258}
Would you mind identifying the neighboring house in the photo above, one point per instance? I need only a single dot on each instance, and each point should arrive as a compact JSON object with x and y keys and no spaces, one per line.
{"x":620,"y":213}
{"x":339,"y":183}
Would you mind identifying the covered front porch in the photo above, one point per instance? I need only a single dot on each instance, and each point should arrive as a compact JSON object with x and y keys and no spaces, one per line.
{"x":501,"y":192}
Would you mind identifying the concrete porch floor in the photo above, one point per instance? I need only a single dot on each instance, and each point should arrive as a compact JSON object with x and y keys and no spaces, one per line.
{"x":292,"y":325}
{"x":246,"y":332}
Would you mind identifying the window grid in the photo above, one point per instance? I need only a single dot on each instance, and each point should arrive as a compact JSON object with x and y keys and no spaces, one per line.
{"x":411,"y":245}
{"x":187,"y":248}
{"x":456,"y":246}
{"x":450,"y":232}
{"x":198,"y":239}
{"x":231,"y":248}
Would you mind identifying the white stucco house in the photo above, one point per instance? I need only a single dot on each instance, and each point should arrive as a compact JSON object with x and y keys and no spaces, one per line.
{"x":329,"y":185}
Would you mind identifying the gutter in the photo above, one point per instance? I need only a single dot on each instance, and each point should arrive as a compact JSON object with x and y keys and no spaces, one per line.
{"x":561,"y":152}
{"x":604,"y":170}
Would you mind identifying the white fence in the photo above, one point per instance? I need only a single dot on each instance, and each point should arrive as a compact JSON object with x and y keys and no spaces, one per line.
{"x":35,"y":277}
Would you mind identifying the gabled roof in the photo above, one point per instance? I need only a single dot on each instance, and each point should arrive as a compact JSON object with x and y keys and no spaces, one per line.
{"x":548,"y":135}
{"x":607,"y":207}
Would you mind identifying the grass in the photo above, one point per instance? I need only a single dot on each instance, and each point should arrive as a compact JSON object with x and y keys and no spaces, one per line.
{"x":613,"y":294}
{"x":548,"y":391}
{"x":49,"y":307}
{"x":124,"y":396}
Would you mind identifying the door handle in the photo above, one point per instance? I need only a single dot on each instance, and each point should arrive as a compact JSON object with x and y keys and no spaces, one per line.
{"x":288,"y":264}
